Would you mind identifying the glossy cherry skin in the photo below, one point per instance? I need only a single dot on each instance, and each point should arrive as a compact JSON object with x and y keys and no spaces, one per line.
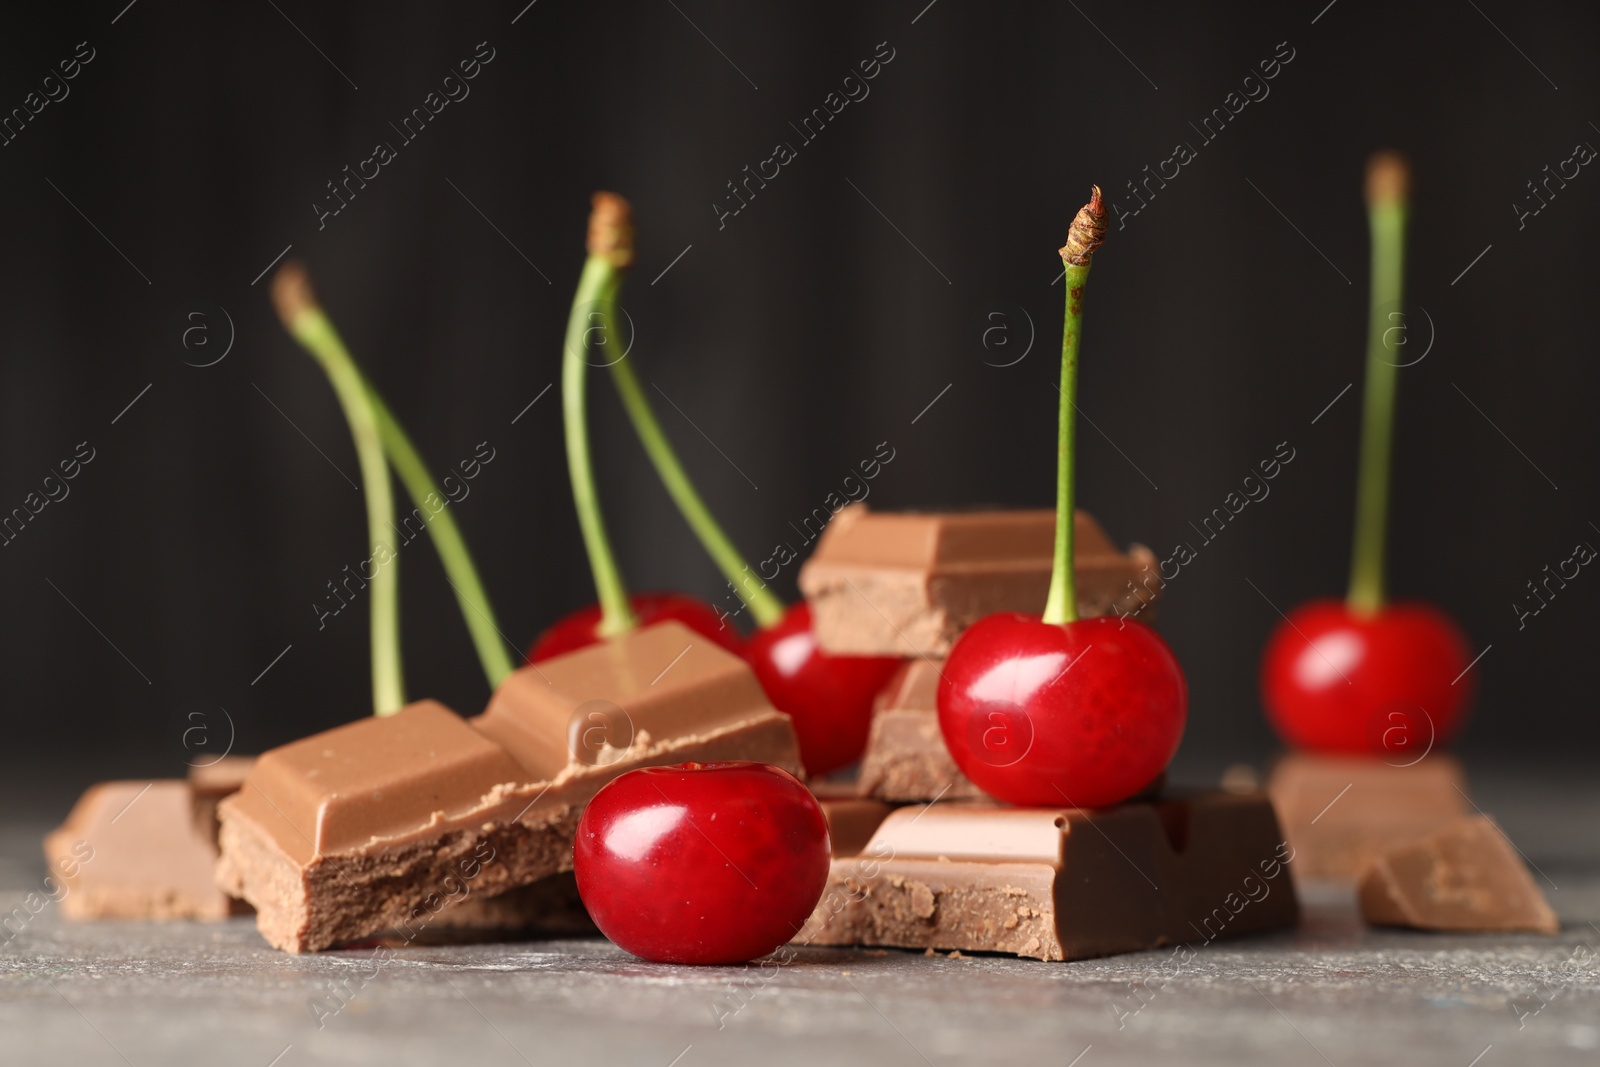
{"x":578,"y":630}
{"x":702,"y":862}
{"x":1388,"y":684}
{"x":828,"y":698}
{"x":1082,"y":714}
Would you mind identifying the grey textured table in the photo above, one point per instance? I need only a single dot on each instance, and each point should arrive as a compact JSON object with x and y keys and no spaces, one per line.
{"x":1329,"y":992}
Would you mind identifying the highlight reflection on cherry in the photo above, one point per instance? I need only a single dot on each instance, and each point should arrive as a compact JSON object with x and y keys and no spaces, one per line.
{"x":702,"y":862}
{"x":828,"y":698}
{"x":1331,"y":678}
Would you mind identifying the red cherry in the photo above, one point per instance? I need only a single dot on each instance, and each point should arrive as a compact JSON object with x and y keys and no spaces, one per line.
{"x":828,"y":698}
{"x":1085,"y":713}
{"x":1385,"y":684}
{"x":578,"y":630}
{"x":702,"y":862}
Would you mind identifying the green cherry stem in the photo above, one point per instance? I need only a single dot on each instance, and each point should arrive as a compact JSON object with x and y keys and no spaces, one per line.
{"x":471,"y":598}
{"x":1086,"y":234}
{"x":763,"y":603}
{"x":1388,"y":182}
{"x":594,"y":311}
{"x":306,"y":321}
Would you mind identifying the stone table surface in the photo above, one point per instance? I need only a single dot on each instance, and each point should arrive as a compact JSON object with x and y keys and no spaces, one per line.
{"x":1329,"y":992}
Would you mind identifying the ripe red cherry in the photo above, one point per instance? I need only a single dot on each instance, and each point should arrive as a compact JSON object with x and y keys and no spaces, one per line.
{"x":1084,"y":713}
{"x":578,"y":630}
{"x":702,"y":862}
{"x":1337,"y":681}
{"x":828,"y":698}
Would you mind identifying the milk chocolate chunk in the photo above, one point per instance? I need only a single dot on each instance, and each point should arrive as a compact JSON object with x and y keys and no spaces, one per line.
{"x":906,"y":758}
{"x":659,"y":695}
{"x":1465,"y":876}
{"x":548,"y":908}
{"x":211,"y":781}
{"x":133,"y":850}
{"x":1340,"y":812}
{"x":907,"y":583}
{"x":1060,"y":884}
{"x":387,"y":823}
{"x":383,"y":820}
{"x":852,"y":822}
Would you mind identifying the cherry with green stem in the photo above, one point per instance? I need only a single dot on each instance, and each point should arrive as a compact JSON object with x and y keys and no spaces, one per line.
{"x":1364,"y":675}
{"x":1055,"y":710}
{"x":828,"y":698}
{"x":310,"y":325}
{"x":594,"y":307}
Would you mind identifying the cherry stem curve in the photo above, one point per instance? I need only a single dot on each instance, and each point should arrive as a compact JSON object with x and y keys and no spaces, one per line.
{"x":305,"y":320}
{"x":763,"y":603}
{"x":462,"y":574}
{"x":593,"y":313}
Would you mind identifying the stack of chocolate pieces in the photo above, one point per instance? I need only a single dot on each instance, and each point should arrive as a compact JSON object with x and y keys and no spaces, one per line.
{"x":958,"y":871}
{"x":1409,"y":837}
{"x":908,"y":583}
{"x":146,"y":849}
{"x":379,"y":826}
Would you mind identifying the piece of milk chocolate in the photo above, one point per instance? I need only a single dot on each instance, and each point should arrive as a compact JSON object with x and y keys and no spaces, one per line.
{"x":907,"y":583}
{"x":906,"y":758}
{"x":1059,"y":884}
{"x":1464,"y":876}
{"x":209,"y":782}
{"x":852,"y":822}
{"x":134,"y":850}
{"x":548,"y":908}
{"x":390,"y":821}
{"x":1340,"y":812}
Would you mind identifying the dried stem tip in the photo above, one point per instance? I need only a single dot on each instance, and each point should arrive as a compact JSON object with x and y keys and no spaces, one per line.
{"x":611,"y":229}
{"x":291,"y":292}
{"x":1087,"y":232}
{"x":1388,"y":178}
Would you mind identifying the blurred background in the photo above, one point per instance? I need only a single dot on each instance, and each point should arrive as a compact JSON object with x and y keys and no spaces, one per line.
{"x":893,"y":283}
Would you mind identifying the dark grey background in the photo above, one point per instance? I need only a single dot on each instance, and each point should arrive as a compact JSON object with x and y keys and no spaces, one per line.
{"x":819,"y":322}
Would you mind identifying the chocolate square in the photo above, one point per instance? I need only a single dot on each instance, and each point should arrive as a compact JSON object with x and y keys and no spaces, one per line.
{"x":1057,"y":884}
{"x":1466,"y":876}
{"x":908,"y":583}
{"x":1341,"y":812}
{"x":387,"y":822}
{"x":132,"y":850}
{"x":660,"y":694}
{"x":906,"y":758}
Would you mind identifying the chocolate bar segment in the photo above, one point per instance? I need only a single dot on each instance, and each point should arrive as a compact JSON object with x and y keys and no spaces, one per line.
{"x":210,"y":782}
{"x":1061,"y":884}
{"x":907,"y":583}
{"x":387,"y":823}
{"x":906,"y":758}
{"x":1342,"y":812}
{"x":374,"y":823}
{"x":852,"y":822}
{"x":1465,"y":876}
{"x":658,"y":695}
{"x":133,"y":850}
